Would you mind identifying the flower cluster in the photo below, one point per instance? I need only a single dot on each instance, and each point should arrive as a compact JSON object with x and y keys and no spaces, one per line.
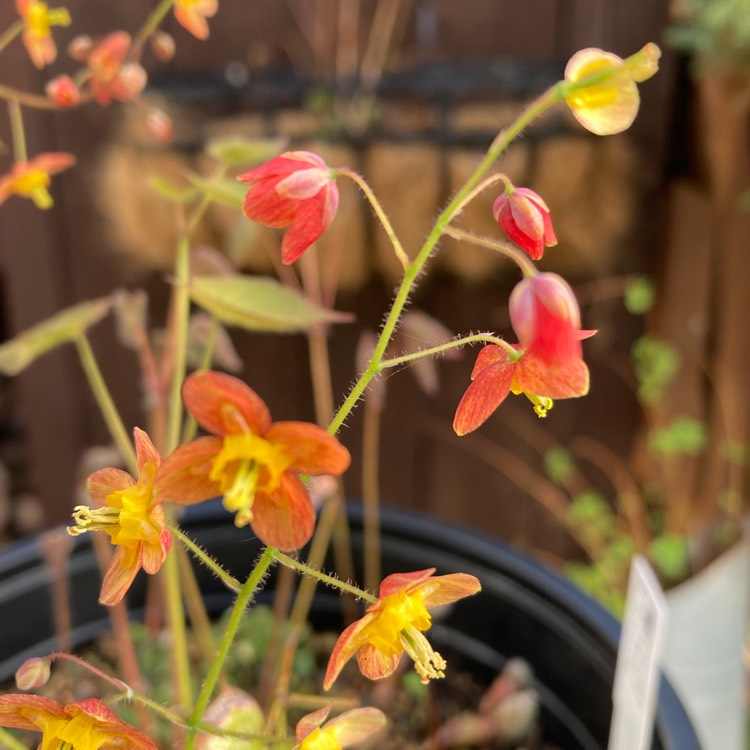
{"x":260,"y":468}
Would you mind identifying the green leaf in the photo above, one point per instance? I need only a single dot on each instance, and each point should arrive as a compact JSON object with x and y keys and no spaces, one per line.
{"x":259,"y":304}
{"x":65,"y":326}
{"x":671,"y":555}
{"x":682,"y":436}
{"x":236,"y":151}
{"x":170,"y":192}
{"x":225,"y":191}
{"x":639,"y":295}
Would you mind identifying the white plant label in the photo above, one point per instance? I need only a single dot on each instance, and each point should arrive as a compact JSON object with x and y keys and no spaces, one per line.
{"x":638,"y":671}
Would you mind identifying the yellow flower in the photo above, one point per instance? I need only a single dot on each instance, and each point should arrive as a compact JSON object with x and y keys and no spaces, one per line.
{"x":85,"y":725}
{"x":192,"y":14}
{"x":30,"y":179}
{"x":132,"y":514}
{"x":601,"y":87}
{"x":350,"y":728}
{"x":37,"y":37}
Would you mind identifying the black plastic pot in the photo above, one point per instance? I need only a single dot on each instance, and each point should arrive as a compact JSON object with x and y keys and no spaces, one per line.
{"x":523,"y":610}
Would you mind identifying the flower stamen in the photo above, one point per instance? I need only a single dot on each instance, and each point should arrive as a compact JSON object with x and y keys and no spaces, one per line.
{"x":429,"y":664}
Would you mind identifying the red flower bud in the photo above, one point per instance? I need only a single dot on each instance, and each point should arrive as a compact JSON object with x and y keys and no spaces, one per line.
{"x":524,"y":217}
{"x":62,"y":91}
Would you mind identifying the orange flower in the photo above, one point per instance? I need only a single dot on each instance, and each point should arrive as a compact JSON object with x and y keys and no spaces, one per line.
{"x":37,"y":37}
{"x":313,"y":732}
{"x":610,"y":102}
{"x":85,"y":725}
{"x":396,"y":623}
{"x":253,"y":462}
{"x":30,"y":179}
{"x":192,"y":14}
{"x":547,"y":364}
{"x":132,"y":514}
{"x":112,"y":77}
{"x":295,"y":190}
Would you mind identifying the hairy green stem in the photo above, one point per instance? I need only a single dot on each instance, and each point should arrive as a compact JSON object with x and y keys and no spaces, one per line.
{"x":290,"y":562}
{"x":176,"y":619}
{"x":247,"y":592}
{"x":106,"y":403}
{"x":228,"y":580}
{"x":504,"y":248}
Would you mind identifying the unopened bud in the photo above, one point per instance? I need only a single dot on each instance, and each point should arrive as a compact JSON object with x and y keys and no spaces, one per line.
{"x":79,"y":47}
{"x":159,"y":124}
{"x":32,"y":674}
{"x":163,"y":46}
{"x":62,"y":91}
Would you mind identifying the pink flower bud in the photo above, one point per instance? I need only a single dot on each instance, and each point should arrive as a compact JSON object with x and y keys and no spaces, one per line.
{"x":62,"y":91}
{"x":524,"y":217}
{"x":32,"y":674}
{"x":159,"y":124}
{"x":79,"y":47}
{"x":163,"y":46}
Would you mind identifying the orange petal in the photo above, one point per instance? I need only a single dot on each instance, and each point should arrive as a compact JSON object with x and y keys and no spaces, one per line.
{"x":125,"y":564}
{"x":284,"y":518}
{"x":375,"y":664}
{"x":355,"y":726}
{"x":183,"y":476}
{"x":312,"y":218}
{"x":106,"y":481}
{"x":488,"y":390}
{"x":144,"y":448}
{"x":398,"y":581}
{"x":568,"y":381}
{"x":53,"y":162}
{"x":449,"y":588}
{"x":310,"y":722}
{"x":345,"y":647}
{"x":224,"y":405}
{"x":15,"y":710}
{"x":118,"y":732}
{"x":310,"y":448}
{"x":153,"y":555}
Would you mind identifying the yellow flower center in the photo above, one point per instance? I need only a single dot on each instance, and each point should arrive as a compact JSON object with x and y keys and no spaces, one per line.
{"x":320,"y":739}
{"x":245,"y":464}
{"x":397,"y":628}
{"x":126,"y":515}
{"x":33,"y":184}
{"x":39,"y":18}
{"x":597,"y":94}
{"x":78,"y":733}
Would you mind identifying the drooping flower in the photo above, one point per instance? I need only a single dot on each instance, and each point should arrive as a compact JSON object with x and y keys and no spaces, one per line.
{"x":546,"y":364}
{"x":192,"y":14}
{"x":253,"y":462}
{"x":396,"y":623}
{"x":350,"y":728}
{"x":524,"y":217}
{"x":609,"y":103}
{"x":85,"y":725}
{"x":131,"y":512}
{"x":38,"y":18}
{"x":111,"y":76}
{"x":296,"y":190}
{"x":63,"y":91}
{"x":30,"y":179}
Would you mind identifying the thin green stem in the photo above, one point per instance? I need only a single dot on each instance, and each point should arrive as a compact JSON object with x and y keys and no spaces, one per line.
{"x":11,"y":33}
{"x":228,"y":580}
{"x":181,"y":313}
{"x":151,"y":24}
{"x":476,"y":338}
{"x":504,"y":248}
{"x":379,"y":212}
{"x":8,"y":741}
{"x":415,"y":268}
{"x":176,"y":619}
{"x":19,"y":134}
{"x":106,"y":403}
{"x":290,"y":562}
{"x":480,"y":188}
{"x":247,"y":592}
{"x":190,"y":427}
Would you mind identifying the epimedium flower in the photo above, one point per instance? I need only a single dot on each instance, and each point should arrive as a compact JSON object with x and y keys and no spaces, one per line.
{"x":192,"y":14}
{"x":112,"y":77}
{"x":546,"y":364}
{"x":63,"y":91}
{"x":131,"y":512}
{"x":38,"y":18}
{"x":395,"y":624}
{"x":610,"y":102}
{"x":252,"y":462}
{"x":350,"y":728}
{"x":84,"y":725}
{"x":296,"y":190}
{"x":524,"y":217}
{"x":30,"y":179}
